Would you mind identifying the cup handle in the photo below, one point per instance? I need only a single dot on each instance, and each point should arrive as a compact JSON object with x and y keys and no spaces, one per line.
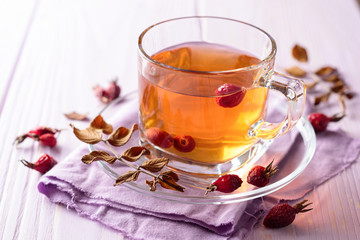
{"x":294,"y":90}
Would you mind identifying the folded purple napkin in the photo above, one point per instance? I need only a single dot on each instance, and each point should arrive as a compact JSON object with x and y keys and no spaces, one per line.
{"x":90,"y":192}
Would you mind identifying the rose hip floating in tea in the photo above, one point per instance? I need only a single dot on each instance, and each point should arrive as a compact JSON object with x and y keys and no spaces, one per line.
{"x":184,"y":143}
{"x":159,"y":137}
{"x":234,"y":95}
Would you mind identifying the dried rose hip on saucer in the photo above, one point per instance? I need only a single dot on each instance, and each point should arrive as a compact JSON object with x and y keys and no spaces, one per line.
{"x":42,"y":165}
{"x":259,"y":176}
{"x":282,"y":215}
{"x":226,"y":184}
{"x":234,"y":95}
{"x":184,"y":143}
{"x":159,"y":137}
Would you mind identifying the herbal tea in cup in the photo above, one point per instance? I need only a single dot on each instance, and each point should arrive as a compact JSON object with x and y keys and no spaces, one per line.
{"x":203,"y":85}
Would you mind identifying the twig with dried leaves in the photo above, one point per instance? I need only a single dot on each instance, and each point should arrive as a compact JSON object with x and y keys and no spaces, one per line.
{"x":328,"y":76}
{"x":94,"y":134}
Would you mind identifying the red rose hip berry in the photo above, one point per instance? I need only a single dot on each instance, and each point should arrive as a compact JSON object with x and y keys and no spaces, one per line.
{"x":319,"y":121}
{"x":42,"y":130}
{"x":226,"y":184}
{"x":113,"y":90}
{"x":36,"y":134}
{"x":234,"y":95}
{"x":48,"y":139}
{"x":282,"y":215}
{"x":259,"y":176}
{"x":42,"y":165}
{"x":184,"y":143}
{"x":159,"y":137}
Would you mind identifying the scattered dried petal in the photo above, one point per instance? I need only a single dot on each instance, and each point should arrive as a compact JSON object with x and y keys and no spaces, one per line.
{"x":98,"y":155}
{"x":152,"y":184}
{"x":88,"y":135}
{"x":295,"y":71}
{"x":127,"y":177}
{"x":155,"y":164}
{"x":326,"y":71}
{"x":121,"y":135}
{"x":99,"y":123}
{"x":299,"y":53}
{"x":76,"y":116}
{"x":134,"y":153}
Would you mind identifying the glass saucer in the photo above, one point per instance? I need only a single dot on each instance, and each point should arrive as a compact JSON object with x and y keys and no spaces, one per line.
{"x":291,"y":152}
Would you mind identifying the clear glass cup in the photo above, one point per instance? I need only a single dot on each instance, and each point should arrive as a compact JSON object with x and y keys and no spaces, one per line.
{"x":203,"y":87}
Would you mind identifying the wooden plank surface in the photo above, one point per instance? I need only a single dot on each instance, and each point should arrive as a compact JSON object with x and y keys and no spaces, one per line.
{"x":53,"y":52}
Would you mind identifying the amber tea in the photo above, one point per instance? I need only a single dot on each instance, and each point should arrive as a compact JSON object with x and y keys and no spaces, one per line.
{"x":209,"y":123}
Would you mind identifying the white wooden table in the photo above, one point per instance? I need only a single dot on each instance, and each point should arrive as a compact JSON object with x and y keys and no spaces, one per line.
{"x":53,"y":52}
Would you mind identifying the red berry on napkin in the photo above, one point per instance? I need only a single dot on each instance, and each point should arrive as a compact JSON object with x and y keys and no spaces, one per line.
{"x":42,"y":165}
{"x":259,"y":176}
{"x":226,"y":184}
{"x":233,"y":95}
{"x":282,"y":215}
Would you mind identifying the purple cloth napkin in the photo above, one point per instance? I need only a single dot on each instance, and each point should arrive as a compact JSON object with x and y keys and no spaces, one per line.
{"x":90,"y":192}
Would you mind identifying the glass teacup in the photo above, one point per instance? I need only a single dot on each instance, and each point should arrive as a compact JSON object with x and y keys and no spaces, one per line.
{"x":203,"y":87}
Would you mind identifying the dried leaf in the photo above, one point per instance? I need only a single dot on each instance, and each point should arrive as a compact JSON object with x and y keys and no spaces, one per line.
{"x":326,"y":71}
{"x":99,"y":123}
{"x":332,"y":78}
{"x":338,"y":87}
{"x":171,"y":184}
{"x":169,"y":174}
{"x":299,"y":53}
{"x":88,"y":135}
{"x":134,"y":153}
{"x":322,"y":98}
{"x":349,"y":95}
{"x":151,"y":184}
{"x":127,"y":177}
{"x":155,"y":164}
{"x":76,"y":116}
{"x":121,"y":135}
{"x":295,"y":71}
{"x":98,"y":155}
{"x":311,"y":85}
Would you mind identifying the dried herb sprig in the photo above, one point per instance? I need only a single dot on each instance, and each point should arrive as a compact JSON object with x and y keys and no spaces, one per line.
{"x":329,"y":76}
{"x":94,"y":134}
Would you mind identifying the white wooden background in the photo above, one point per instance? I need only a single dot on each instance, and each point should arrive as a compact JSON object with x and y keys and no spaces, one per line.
{"x":53,"y":52}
